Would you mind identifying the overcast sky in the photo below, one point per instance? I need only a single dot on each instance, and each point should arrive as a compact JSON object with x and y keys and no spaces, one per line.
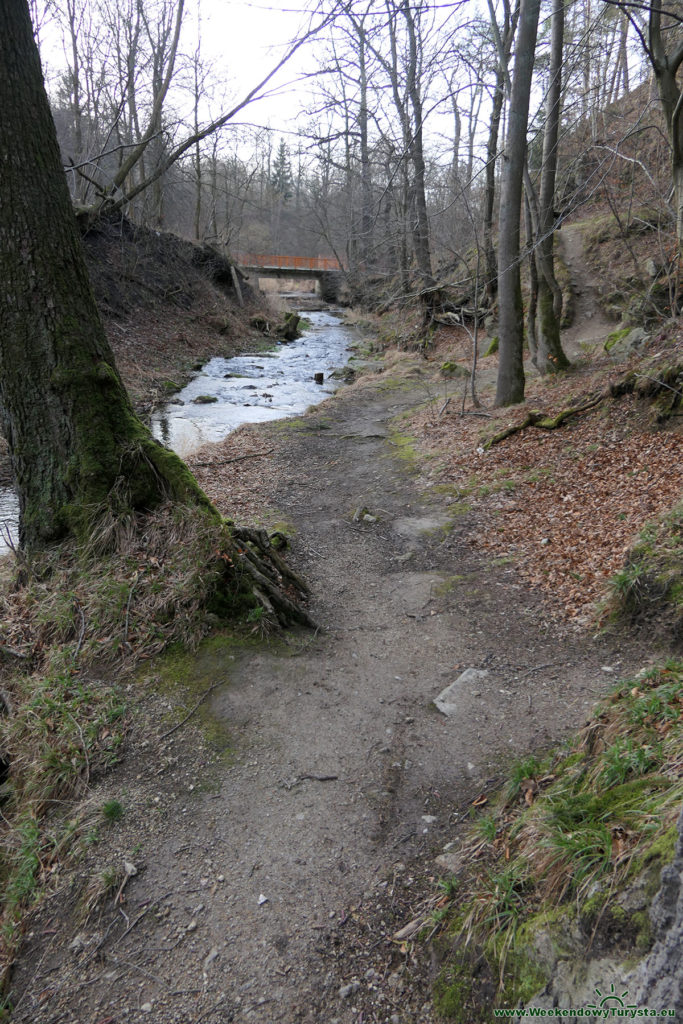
{"x":243,"y":41}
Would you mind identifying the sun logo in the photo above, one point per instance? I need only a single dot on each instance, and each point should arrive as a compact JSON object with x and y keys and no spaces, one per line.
{"x":611,"y":1000}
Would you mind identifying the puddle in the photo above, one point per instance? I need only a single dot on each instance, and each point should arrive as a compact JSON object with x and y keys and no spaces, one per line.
{"x":255,"y":388}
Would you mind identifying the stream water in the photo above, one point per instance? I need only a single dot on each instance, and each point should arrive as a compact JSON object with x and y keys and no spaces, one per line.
{"x":255,"y":388}
{"x":246,"y":389}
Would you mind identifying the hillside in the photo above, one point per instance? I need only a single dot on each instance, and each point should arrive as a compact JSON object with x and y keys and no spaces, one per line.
{"x":167,"y":304}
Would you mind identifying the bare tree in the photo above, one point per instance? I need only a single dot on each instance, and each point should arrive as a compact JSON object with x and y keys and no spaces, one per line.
{"x":510,"y":383}
{"x":550,"y":356}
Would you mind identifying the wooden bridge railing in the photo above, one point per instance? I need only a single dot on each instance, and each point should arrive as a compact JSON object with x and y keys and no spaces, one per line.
{"x":319,"y":263}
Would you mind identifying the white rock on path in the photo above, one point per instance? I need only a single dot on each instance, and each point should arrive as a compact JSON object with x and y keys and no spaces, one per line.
{"x":448,"y":700}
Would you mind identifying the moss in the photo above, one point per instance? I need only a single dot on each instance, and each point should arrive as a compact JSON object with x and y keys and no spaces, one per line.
{"x":180,"y":674}
{"x":458,"y":993}
{"x":615,"y":337}
{"x":657,"y":854}
{"x":446,"y":585}
{"x":405,"y":447}
{"x":204,"y":400}
{"x":452,"y":369}
{"x":642,"y":925}
{"x":492,"y":347}
{"x":523,"y":979}
{"x":170,"y":387}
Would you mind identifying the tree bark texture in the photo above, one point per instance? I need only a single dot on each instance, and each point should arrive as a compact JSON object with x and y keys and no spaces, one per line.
{"x":510,"y":383}
{"x":75,"y":442}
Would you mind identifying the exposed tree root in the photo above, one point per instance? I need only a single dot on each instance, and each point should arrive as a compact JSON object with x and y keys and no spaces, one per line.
{"x":544,"y":422}
{"x":268,"y":571}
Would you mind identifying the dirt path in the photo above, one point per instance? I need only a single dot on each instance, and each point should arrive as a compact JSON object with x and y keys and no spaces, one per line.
{"x":343,"y":772}
{"x":590,"y":323}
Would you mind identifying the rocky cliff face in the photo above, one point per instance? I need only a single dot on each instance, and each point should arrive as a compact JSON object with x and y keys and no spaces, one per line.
{"x":592,"y":964}
{"x":658,"y":980}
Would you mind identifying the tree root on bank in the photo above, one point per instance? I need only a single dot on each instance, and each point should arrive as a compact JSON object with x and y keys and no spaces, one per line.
{"x":544,"y":422}
{"x":663,"y":387}
{"x":268,"y":573}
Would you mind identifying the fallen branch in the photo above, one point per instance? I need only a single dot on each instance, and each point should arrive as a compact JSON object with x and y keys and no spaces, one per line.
{"x":261,"y":541}
{"x":287,"y":611}
{"x":12,"y":652}
{"x":544,"y":422}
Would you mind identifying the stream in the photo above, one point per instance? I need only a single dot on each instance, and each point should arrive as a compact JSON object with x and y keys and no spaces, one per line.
{"x":245,"y":389}
{"x":255,"y":388}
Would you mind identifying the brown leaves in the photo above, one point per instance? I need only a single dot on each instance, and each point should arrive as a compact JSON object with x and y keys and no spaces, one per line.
{"x":565,"y":505}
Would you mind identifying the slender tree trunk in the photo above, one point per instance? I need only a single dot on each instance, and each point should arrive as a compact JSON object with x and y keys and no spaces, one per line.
{"x":75,"y":442}
{"x":666,"y":66}
{"x":504,"y":40}
{"x":533,"y":281}
{"x":510,"y":384}
{"x":490,"y":187}
{"x":550,"y":357}
{"x":420,"y":228}
{"x":365,"y":169}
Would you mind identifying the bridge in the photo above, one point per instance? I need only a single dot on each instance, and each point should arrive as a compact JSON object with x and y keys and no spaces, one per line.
{"x":326,"y":270}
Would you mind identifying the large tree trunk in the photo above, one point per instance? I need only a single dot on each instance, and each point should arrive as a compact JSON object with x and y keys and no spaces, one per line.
{"x":75,"y":442}
{"x":510,"y":384}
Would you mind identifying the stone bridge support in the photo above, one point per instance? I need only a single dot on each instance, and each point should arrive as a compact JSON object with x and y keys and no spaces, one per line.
{"x":329,"y":285}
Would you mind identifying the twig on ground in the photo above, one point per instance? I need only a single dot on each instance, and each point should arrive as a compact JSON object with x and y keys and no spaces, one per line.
{"x":315,"y":778}
{"x":238,"y":458}
{"x":130,"y":598}
{"x":187,"y":717}
{"x":81,"y":635}
{"x":538,"y":668}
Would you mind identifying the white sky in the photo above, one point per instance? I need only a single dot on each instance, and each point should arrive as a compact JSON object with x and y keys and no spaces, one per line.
{"x":243,"y":41}
{"x":246,"y":40}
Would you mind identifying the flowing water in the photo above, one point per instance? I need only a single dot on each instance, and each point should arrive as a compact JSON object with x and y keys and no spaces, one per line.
{"x":255,"y":388}
{"x":247,"y":389}
{"x":9,"y":519}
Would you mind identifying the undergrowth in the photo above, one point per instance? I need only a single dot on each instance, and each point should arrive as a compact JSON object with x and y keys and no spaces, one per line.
{"x":565,"y":837}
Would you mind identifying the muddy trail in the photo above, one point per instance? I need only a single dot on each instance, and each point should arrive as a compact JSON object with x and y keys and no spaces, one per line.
{"x":273,"y":850}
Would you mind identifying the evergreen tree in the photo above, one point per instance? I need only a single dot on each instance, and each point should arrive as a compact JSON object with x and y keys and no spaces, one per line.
{"x":281,"y":178}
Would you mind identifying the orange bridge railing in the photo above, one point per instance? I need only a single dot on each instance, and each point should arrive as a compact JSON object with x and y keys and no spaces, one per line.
{"x":319,"y":263}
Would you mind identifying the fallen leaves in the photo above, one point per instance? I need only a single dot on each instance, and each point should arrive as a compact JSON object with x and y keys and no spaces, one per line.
{"x":563,"y":506}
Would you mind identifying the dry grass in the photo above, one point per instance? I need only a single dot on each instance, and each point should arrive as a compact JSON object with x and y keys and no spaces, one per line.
{"x":76,"y":621}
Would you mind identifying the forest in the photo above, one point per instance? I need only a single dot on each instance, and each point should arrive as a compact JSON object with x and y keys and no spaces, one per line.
{"x":300,"y":724}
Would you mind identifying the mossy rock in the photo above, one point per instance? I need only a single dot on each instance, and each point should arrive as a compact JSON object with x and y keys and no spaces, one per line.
{"x":452,"y":369}
{"x":493,"y":347}
{"x":170,"y":387}
{"x":204,"y":400}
